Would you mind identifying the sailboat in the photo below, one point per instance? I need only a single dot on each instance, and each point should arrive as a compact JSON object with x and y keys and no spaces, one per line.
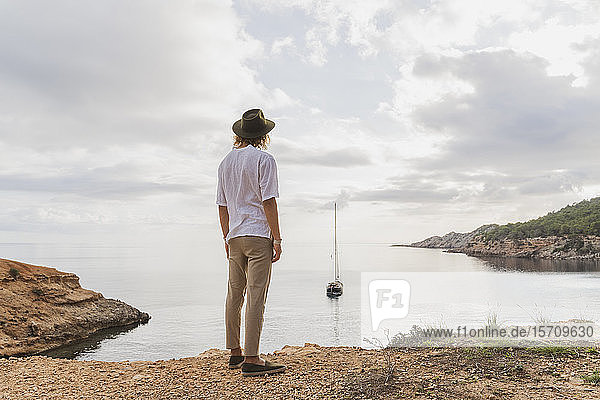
{"x":335,"y":288}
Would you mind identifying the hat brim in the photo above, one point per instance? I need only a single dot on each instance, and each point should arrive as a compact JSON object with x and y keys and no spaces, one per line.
{"x":237,"y":129}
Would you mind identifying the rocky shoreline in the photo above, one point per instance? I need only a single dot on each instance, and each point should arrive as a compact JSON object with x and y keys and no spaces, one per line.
{"x":316,"y":372}
{"x":571,"y":247}
{"x":551,"y":247}
{"x":451,"y":240}
{"x":42,"y":308}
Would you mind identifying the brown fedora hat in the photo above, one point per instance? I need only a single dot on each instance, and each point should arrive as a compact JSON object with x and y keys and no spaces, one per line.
{"x":253,"y":124}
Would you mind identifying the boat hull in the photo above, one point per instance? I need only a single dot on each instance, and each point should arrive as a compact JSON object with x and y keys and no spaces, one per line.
{"x":335,"y":289}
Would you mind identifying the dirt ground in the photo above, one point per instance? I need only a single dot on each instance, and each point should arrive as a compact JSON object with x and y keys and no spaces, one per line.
{"x":316,"y":372}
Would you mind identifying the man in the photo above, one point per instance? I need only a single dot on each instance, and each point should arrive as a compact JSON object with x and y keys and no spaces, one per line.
{"x":246,"y":191}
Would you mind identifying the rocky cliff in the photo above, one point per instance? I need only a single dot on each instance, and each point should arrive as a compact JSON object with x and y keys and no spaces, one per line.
{"x":452,"y":240}
{"x":42,"y":308}
{"x":551,"y":247}
{"x":559,"y":247}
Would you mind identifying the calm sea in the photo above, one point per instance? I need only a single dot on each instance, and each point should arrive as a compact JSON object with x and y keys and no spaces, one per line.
{"x":183,"y":289}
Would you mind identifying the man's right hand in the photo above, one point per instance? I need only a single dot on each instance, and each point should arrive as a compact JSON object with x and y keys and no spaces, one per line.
{"x":276,"y":252}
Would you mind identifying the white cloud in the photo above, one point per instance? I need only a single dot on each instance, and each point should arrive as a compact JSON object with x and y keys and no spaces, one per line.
{"x":317,"y":50}
{"x":515,"y":112}
{"x":413,"y":110}
{"x":429,"y":85}
{"x":557,"y":43}
{"x":280,"y":44}
{"x":92,"y":75}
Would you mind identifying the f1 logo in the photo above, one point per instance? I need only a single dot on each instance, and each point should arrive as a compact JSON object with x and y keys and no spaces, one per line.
{"x":388,"y":299}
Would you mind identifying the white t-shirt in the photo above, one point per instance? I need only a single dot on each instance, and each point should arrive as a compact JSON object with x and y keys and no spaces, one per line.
{"x":247,"y":176}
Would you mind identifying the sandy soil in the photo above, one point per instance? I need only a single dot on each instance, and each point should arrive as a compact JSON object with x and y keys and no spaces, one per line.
{"x":317,"y":372}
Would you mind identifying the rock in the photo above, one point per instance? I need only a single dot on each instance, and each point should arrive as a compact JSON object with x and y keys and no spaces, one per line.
{"x":44,"y":308}
{"x":452,"y":240}
{"x":298,"y":350}
{"x":550,"y":247}
{"x":212,"y":353}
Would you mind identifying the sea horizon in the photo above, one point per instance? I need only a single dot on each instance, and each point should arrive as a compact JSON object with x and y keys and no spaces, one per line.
{"x":186,"y":299}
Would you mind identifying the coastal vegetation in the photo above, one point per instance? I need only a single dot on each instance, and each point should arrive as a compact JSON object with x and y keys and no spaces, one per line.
{"x":573,"y":232}
{"x":581,"y":218}
{"x":14,"y":273}
{"x":593,"y":379}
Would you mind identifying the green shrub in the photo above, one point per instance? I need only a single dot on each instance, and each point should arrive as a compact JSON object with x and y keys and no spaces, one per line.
{"x":578,"y":219}
{"x":555,"y":350}
{"x":14,"y":273}
{"x":592,"y":379}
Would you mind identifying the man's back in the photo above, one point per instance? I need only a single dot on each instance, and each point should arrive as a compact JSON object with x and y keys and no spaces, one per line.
{"x":247,"y":176}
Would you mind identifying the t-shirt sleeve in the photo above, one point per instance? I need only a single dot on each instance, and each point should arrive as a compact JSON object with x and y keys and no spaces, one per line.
{"x":267,"y":179}
{"x":221,"y":200}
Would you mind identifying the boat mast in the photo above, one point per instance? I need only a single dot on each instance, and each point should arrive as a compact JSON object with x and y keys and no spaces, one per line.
{"x":335,"y":252}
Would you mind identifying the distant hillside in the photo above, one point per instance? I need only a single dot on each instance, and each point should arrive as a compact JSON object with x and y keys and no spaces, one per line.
{"x":580,"y":218}
{"x":452,"y":240}
{"x":572,"y":232}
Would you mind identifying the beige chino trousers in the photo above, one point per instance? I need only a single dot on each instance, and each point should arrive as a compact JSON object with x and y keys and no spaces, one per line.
{"x":250,"y":260}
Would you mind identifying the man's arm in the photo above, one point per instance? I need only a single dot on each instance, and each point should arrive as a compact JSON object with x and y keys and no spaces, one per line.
{"x":224,"y":220}
{"x":270,"y":207}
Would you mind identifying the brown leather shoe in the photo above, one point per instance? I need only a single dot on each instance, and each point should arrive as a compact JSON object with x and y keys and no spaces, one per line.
{"x":235,"y":362}
{"x":259,"y":370}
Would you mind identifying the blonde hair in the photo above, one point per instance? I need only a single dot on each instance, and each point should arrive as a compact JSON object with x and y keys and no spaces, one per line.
{"x":261,"y":142}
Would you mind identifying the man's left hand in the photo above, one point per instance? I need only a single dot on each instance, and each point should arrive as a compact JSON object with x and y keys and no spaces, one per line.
{"x":276,"y":252}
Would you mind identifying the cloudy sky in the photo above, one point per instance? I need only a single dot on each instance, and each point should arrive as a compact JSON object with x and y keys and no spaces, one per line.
{"x":418,"y":117}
